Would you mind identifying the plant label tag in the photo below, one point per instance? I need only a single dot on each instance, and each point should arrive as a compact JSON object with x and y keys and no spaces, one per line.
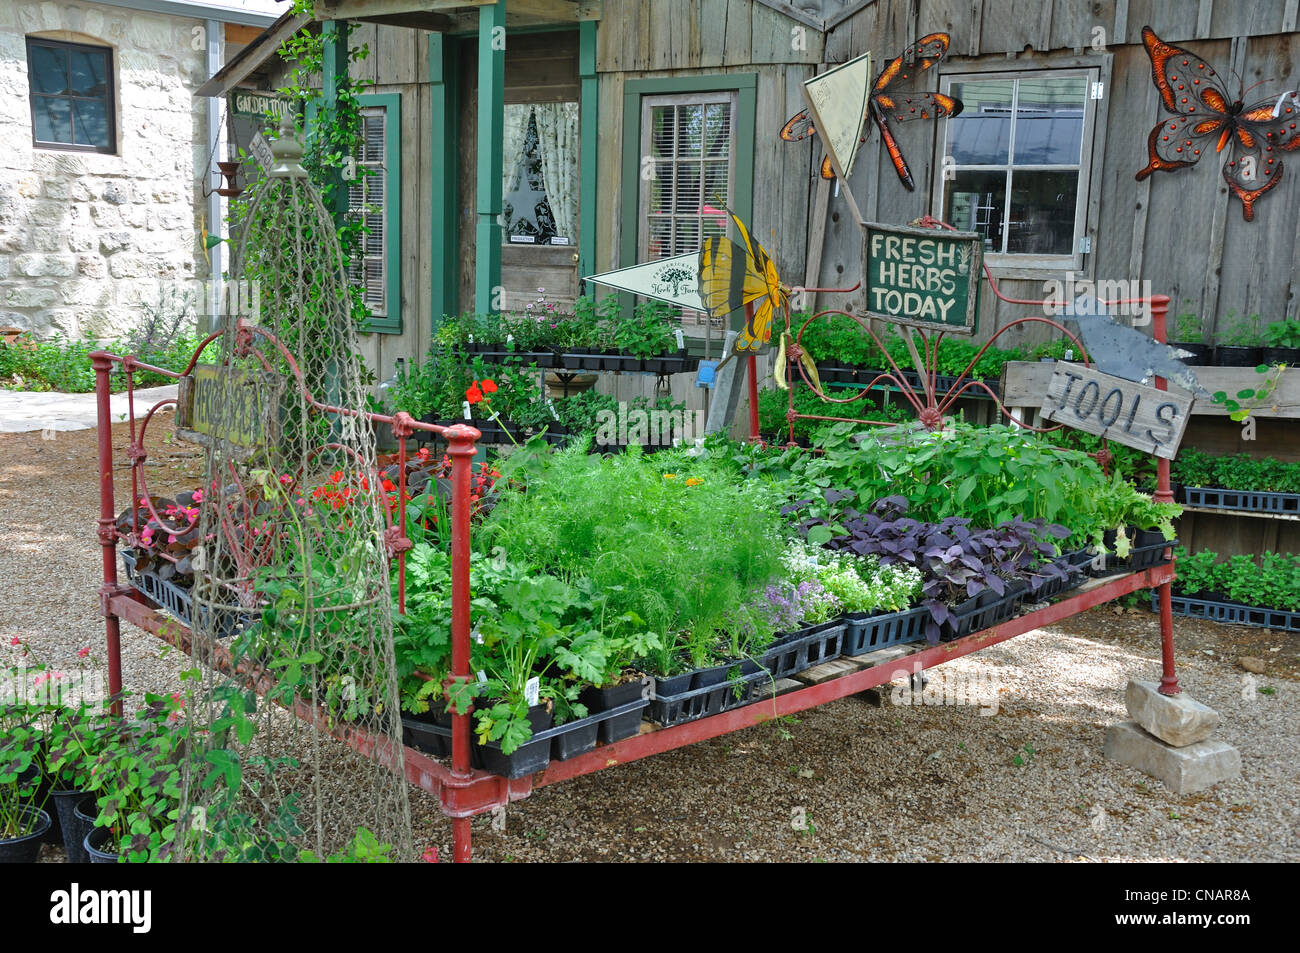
{"x":533,"y":690}
{"x":467,"y":413}
{"x":510,"y":338}
{"x":551,"y":406}
{"x":478,"y":636}
{"x":482,"y":675}
{"x":681,"y":338}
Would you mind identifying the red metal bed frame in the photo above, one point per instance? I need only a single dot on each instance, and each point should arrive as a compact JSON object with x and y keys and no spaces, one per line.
{"x":462,"y":791}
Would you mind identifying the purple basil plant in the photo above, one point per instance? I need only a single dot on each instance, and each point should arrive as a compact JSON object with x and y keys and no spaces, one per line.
{"x":958,"y":562}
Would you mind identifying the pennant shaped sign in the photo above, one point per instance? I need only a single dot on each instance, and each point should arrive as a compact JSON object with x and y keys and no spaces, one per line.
{"x":837,"y":103}
{"x":671,"y":280}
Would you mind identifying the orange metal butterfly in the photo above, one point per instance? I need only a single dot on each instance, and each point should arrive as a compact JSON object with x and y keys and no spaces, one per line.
{"x":883,"y":105}
{"x":1193,"y":92}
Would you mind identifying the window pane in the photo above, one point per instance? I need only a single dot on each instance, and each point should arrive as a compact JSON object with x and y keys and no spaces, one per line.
{"x":981,"y":135}
{"x":1049,"y":121}
{"x":661,"y":241}
{"x":717,"y":130}
{"x":688,"y":188}
{"x":1042,"y":213}
{"x":716,"y":175}
{"x":89,"y":73}
{"x":91,"y":128}
{"x":687,"y":236}
{"x":662,"y":131}
{"x":975,"y":203}
{"x":52,"y":119}
{"x":690,"y":131}
{"x":49,"y":71}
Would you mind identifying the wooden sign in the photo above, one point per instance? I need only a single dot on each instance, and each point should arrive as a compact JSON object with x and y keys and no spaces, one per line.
{"x":234,"y":406}
{"x":922,"y":277}
{"x":1132,"y":414}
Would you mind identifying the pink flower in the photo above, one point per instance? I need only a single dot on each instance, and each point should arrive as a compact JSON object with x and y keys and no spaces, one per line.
{"x":84,"y":652}
{"x":41,"y":679}
{"x":171,"y":538}
{"x":58,"y":676}
{"x":15,"y":641}
{"x":198,"y":496}
{"x":430,"y":855}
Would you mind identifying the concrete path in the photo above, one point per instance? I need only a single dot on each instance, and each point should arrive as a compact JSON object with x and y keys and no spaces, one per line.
{"x":25,"y":411}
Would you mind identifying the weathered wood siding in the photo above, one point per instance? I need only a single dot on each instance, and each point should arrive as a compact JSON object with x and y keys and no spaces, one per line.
{"x":1181,"y":231}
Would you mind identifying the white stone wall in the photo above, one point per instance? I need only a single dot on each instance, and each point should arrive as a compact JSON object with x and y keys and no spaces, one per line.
{"x":85,"y":237}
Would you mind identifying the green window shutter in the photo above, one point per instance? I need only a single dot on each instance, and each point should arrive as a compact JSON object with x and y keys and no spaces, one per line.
{"x":376,"y":199}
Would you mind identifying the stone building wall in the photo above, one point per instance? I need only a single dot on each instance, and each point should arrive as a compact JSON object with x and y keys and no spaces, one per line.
{"x":85,"y":237}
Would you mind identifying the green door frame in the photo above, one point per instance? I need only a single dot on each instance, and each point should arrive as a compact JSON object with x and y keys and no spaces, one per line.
{"x":491,"y":121}
{"x":444,"y":72}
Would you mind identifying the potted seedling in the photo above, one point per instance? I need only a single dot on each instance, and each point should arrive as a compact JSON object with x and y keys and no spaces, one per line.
{"x":1239,"y":342}
{"x":1188,"y":336}
{"x":1282,"y":342}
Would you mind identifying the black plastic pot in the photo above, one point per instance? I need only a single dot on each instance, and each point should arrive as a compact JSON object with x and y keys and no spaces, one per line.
{"x":673,"y":684}
{"x":71,"y":829}
{"x":1147,"y":537}
{"x":611,"y":696}
{"x":418,"y":731}
{"x":713,"y":675}
{"x":529,"y":758}
{"x":571,"y":362}
{"x":1201,"y":354}
{"x":1289,"y":356}
{"x":1232,"y":356}
{"x":27,"y":847}
{"x":84,"y":814}
{"x":96,"y":842}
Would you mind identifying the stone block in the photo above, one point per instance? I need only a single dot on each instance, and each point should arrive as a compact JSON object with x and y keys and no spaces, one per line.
{"x":118,"y":193}
{"x":1178,"y":720}
{"x":1183,"y":770}
{"x":28,"y":297}
{"x":110,"y":242}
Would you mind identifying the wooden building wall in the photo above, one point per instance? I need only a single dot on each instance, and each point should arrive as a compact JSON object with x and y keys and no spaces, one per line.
{"x":1179,"y":230}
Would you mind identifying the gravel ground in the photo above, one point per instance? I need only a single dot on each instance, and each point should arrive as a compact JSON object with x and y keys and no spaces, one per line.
{"x":896,"y":782}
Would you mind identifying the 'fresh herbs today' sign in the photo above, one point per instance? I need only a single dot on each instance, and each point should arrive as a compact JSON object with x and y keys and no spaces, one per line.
{"x":922,"y":277}
{"x":1111,"y":407}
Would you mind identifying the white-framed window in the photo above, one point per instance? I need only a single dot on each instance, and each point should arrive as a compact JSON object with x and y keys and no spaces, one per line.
{"x":687,"y":177}
{"x":1015,"y":164}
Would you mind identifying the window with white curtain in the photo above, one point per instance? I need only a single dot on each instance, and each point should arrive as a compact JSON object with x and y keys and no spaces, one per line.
{"x":539,"y":186}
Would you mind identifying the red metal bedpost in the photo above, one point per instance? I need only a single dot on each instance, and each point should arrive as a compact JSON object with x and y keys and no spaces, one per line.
{"x":103,"y":364}
{"x":1169,"y":679}
{"x":460,"y":447}
{"x":752,"y":371}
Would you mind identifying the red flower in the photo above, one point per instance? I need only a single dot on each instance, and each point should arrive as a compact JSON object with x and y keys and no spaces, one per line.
{"x":84,"y":652}
{"x":489,"y":387}
{"x":473,"y":395}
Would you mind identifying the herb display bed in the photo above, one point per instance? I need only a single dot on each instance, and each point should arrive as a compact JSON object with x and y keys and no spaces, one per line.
{"x":1248,"y":501}
{"x":1231,"y":612}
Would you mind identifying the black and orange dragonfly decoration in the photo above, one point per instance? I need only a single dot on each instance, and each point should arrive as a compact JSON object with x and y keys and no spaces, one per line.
{"x":1194,"y":93}
{"x":884,"y":104}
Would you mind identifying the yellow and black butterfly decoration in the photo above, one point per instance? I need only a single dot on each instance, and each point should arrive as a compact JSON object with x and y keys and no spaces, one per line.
{"x":734,"y":274}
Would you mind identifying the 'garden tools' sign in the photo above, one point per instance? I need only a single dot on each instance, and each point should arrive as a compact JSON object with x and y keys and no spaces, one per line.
{"x":237,"y":406}
{"x":922,"y":277}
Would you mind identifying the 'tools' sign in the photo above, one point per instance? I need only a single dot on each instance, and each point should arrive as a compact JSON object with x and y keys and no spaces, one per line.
{"x":922,"y":277}
{"x":1111,"y":407}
